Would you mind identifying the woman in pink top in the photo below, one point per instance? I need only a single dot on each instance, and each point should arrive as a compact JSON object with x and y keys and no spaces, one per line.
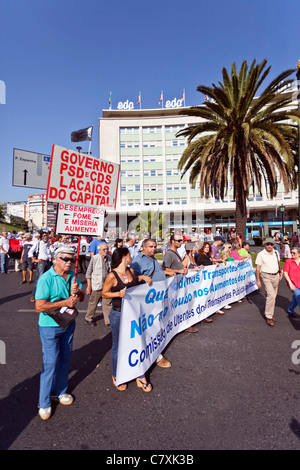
{"x":234,"y":252}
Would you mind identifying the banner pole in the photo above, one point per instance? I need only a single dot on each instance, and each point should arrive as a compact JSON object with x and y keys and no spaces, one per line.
{"x":77,"y":259}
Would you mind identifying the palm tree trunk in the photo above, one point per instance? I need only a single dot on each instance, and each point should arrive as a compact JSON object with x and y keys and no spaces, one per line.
{"x":240,"y":209}
{"x":240,"y":221}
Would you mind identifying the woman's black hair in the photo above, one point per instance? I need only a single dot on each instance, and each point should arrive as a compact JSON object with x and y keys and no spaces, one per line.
{"x":117,"y":256}
{"x":118,"y":240}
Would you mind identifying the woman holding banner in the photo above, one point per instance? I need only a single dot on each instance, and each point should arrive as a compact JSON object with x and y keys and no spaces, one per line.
{"x":118,"y":280}
{"x":204,"y":258}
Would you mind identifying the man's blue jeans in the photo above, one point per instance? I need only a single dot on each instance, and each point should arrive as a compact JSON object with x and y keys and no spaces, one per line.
{"x":57,"y":347}
{"x":295,"y":301}
{"x":4,"y":260}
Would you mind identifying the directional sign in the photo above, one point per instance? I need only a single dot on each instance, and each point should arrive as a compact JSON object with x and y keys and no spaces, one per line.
{"x":79,"y":220}
{"x":30,"y":170}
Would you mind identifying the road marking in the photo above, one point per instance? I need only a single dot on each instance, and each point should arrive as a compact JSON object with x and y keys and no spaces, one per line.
{"x":33,"y":310}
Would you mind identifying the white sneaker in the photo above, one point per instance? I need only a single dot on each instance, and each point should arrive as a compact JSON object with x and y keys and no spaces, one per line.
{"x":64,"y":399}
{"x":227,"y":307}
{"x":45,"y":413}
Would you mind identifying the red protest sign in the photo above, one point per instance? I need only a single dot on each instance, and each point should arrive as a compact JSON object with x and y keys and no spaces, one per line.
{"x":79,"y":179}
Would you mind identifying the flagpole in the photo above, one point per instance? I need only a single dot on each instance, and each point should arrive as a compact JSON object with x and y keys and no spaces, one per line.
{"x":140,"y":101}
{"x":90,"y":147}
{"x":184,"y":97}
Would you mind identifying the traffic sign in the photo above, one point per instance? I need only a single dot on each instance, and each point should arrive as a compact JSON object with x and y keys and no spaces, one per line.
{"x":30,"y":169}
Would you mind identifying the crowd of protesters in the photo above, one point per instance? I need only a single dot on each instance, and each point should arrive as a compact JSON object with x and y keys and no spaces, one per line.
{"x":109,"y":271}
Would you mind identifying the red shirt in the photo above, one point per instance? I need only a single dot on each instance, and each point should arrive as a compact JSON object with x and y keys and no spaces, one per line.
{"x":293,"y":270}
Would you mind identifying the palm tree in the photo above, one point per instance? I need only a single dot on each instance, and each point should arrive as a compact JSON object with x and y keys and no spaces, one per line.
{"x":241,"y":138}
{"x":150,"y":222}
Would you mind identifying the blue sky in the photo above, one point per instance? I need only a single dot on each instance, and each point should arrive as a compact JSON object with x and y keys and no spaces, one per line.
{"x":60,"y":59}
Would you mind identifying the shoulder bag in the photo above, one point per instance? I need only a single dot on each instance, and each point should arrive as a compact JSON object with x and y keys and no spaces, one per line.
{"x":64,"y":316}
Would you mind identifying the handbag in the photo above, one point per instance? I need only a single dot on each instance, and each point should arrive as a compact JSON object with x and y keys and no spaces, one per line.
{"x":64,"y":316}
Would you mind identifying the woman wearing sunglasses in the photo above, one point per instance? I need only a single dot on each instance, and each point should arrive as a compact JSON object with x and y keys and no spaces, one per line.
{"x":291,"y":271}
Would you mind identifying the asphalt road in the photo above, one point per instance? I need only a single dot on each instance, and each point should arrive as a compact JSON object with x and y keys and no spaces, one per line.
{"x":233,"y":385}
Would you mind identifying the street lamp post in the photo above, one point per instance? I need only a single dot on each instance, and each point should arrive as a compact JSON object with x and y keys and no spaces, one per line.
{"x":282,"y":209}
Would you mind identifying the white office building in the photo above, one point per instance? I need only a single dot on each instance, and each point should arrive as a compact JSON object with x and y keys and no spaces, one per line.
{"x":144,"y":142}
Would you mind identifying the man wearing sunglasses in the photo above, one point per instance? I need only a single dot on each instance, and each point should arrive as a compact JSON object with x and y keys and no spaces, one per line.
{"x":173,"y":262}
{"x":56,"y":289}
{"x":268,"y":268}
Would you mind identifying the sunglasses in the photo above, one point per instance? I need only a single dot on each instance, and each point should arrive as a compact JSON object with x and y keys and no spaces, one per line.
{"x":178,"y":241}
{"x":66,"y":259}
{"x":269,"y":244}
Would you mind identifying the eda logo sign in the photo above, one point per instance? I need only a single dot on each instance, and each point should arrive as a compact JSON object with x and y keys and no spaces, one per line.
{"x":126,"y":106}
{"x":175,"y":103}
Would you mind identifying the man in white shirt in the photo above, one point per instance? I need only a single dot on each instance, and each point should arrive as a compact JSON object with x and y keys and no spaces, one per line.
{"x":4,"y":249}
{"x":41,"y":253}
{"x":268,"y":267}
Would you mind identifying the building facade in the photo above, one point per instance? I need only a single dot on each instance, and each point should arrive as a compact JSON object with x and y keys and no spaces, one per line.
{"x":39,"y":212}
{"x":144,"y":142}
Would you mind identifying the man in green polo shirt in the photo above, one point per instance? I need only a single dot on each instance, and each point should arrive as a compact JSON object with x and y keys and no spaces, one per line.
{"x":55,"y":289}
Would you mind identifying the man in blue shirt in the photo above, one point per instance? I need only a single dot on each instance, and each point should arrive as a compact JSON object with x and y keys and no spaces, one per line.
{"x":93,"y":248}
{"x":146,"y":264}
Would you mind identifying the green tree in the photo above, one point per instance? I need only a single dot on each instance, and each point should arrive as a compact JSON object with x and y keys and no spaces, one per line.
{"x":150,"y":222}
{"x":241,"y":138}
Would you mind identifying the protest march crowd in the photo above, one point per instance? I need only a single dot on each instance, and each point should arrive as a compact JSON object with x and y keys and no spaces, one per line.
{"x":112,"y":269}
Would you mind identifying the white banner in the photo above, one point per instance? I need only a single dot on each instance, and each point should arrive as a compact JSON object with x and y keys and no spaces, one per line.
{"x":152,"y":315}
{"x":82,"y":180}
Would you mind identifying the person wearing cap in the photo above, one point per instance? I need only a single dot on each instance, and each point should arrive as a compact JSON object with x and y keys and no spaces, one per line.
{"x":268,"y":268}
{"x":56,"y":288}
{"x":25,"y":261}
